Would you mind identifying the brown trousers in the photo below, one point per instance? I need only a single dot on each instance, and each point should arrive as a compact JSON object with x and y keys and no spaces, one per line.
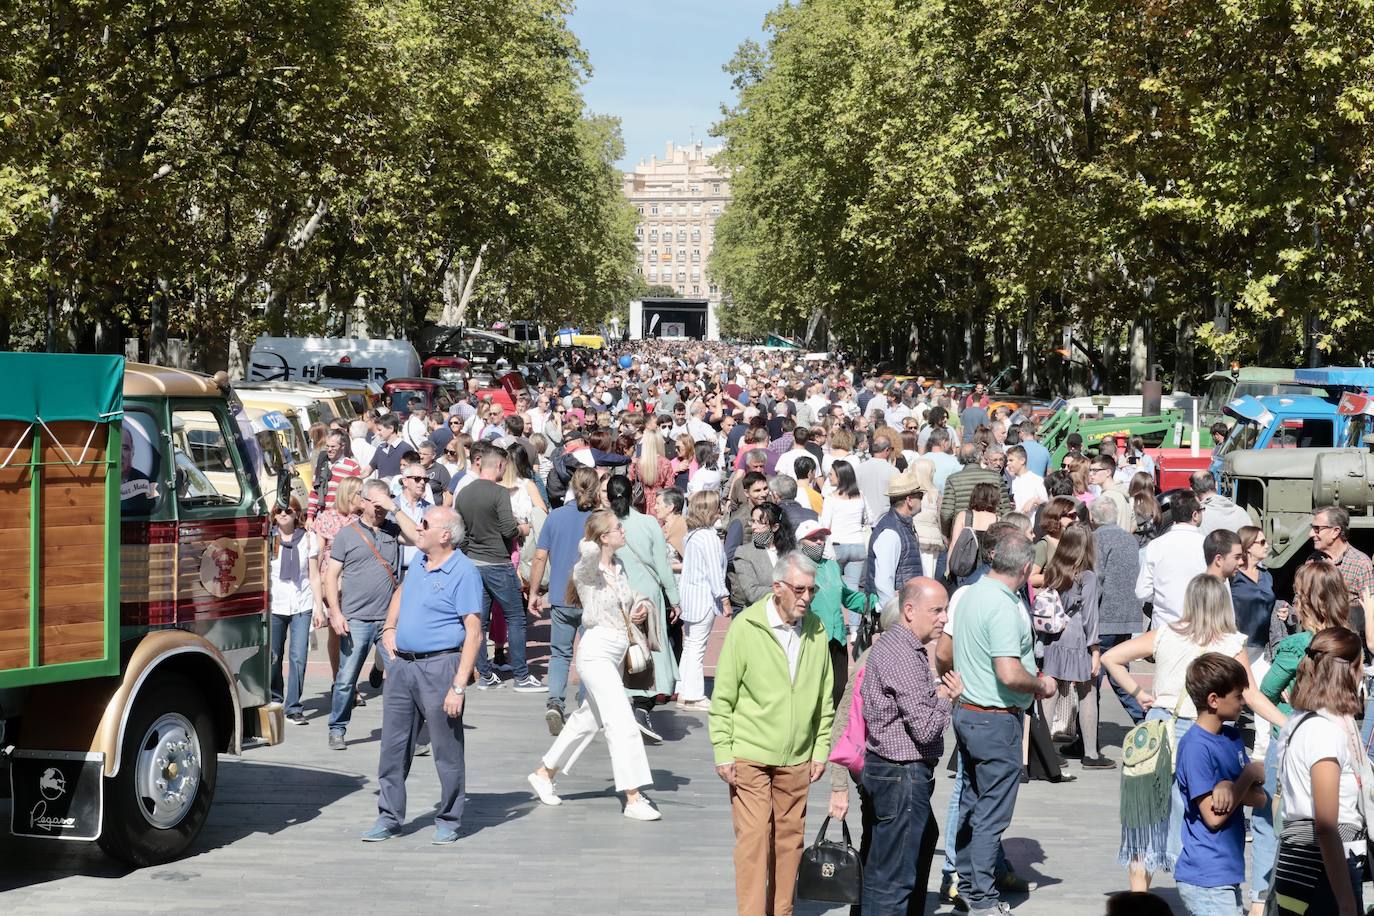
{"x":769,"y":808}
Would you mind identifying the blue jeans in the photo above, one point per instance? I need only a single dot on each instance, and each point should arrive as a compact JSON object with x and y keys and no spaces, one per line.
{"x":298,"y":625}
{"x":564,"y":624}
{"x":1264,"y":846}
{"x":1368,"y":725}
{"x":353,"y":651}
{"x":1210,"y":901}
{"x":898,"y":864}
{"x":500,"y":583}
{"x":952,"y":826}
{"x":990,"y":748}
{"x":850,"y":558}
{"x":1128,"y":702}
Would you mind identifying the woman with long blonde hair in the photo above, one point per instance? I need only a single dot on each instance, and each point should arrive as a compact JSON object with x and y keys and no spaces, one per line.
{"x":1208,"y":625}
{"x":652,"y":470}
{"x":927,"y":521}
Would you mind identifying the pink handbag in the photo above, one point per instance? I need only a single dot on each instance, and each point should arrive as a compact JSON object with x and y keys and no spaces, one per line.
{"x":848,"y":752}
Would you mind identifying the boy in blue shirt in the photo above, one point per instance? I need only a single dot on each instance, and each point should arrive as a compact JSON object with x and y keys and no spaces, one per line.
{"x":1216,"y":779}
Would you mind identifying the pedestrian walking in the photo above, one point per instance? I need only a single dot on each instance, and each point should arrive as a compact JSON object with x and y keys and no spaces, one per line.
{"x":1119,"y":616}
{"x":431,"y":636}
{"x":770,"y":723}
{"x":906,"y":708}
{"x":297,"y":605}
{"x":994,"y":654}
{"x":704,"y":596}
{"x":611,"y":613}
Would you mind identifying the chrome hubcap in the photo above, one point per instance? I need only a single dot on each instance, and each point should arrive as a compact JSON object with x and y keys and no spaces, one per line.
{"x":167,"y":772}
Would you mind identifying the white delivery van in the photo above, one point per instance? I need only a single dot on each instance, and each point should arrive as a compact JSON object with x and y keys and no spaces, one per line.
{"x":293,"y":359}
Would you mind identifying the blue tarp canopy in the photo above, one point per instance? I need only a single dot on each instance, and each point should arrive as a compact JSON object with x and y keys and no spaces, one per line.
{"x":1336,"y":377}
{"x":61,"y":386}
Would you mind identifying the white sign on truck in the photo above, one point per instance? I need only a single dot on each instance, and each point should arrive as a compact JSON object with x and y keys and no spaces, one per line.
{"x":301,"y":358}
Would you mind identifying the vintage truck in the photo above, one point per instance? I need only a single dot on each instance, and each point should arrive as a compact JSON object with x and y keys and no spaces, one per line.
{"x":1281,"y":488}
{"x":133,"y":607}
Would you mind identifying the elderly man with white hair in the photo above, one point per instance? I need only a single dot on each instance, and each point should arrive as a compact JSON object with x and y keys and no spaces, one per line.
{"x":431,"y":635}
{"x":770,"y":729}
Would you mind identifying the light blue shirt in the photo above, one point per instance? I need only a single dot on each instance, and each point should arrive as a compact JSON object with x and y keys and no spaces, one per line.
{"x":945,"y":464}
{"x":1037,"y":457}
{"x":433,"y":604}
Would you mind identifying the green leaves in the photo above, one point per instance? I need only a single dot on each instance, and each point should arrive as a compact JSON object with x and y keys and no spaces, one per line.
{"x":902,"y":160}
{"x":294,"y":165}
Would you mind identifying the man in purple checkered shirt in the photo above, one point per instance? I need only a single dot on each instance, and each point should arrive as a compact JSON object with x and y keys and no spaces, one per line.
{"x":906,"y":709}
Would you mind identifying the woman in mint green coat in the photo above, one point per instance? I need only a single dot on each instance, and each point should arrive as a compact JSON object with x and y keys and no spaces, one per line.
{"x":833,"y":598}
{"x":645,"y":557}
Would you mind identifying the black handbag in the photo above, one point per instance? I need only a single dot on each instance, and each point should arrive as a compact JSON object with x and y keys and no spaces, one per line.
{"x":830,"y":871}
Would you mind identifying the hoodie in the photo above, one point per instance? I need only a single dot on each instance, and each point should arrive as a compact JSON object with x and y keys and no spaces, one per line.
{"x":1220,"y":512}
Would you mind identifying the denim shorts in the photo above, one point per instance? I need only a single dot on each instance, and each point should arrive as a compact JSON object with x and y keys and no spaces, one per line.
{"x":1210,"y":901}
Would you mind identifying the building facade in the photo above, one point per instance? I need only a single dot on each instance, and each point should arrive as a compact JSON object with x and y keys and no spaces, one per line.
{"x":679,"y":198}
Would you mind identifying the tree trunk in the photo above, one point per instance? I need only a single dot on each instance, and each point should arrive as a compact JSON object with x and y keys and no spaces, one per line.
{"x":1030,"y":371}
{"x":1185,"y":338}
{"x":1111,"y":354}
{"x":1311,"y":337}
{"x":1140,"y":355}
{"x":978,"y":329}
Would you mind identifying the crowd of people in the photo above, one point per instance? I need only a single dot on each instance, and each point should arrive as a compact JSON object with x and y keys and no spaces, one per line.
{"x":886,"y":558}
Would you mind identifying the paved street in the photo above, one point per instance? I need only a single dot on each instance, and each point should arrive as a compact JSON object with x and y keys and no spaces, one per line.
{"x":286,"y":820}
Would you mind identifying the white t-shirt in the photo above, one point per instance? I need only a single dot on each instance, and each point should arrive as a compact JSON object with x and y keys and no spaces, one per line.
{"x":1025,"y":487}
{"x":1324,"y":735}
{"x":1174,"y":652}
{"x":287,"y":597}
{"x":844,"y":518}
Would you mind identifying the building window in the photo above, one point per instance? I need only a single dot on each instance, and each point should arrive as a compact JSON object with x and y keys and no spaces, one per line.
{"x":696,"y":254}
{"x":696,"y":273}
{"x":681,"y":275}
{"x":653,"y":273}
{"x":696,"y":290}
{"x":681,"y":288}
{"x":696,"y":209}
{"x":696,"y":189}
{"x":641,"y":211}
{"x":653,"y":235}
{"x":653,"y":209}
{"x":712,"y":288}
{"x":715,"y":209}
{"x":715,"y":188}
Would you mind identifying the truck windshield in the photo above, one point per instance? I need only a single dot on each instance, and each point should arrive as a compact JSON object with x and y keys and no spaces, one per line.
{"x":1355,"y":431}
{"x":1219,"y":391}
{"x":1243,"y":436}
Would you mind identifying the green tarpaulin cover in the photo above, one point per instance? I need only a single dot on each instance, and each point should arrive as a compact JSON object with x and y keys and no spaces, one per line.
{"x":61,"y":386}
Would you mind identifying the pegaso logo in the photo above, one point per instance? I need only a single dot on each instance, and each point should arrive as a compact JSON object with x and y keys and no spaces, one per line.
{"x":52,"y":785}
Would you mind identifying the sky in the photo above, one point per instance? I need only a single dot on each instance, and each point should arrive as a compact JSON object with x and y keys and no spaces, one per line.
{"x":657,"y":65}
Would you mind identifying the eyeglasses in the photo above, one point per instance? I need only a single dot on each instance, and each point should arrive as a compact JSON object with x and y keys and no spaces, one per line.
{"x":1098,"y":470}
{"x":455,"y":422}
{"x":801,"y":591}
{"x":414,"y":477}
{"x":1315,"y":527}
{"x":450,"y":454}
{"x":424,"y":524}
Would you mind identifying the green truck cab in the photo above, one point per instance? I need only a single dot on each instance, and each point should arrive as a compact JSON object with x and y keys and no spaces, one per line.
{"x":133,"y":612}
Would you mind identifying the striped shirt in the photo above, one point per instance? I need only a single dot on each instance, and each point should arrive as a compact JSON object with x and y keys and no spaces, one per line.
{"x":344,"y":467}
{"x":703,"y":575}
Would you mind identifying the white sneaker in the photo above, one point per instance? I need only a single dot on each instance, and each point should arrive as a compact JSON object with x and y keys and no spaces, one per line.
{"x":694,"y":705}
{"x":544,"y":789}
{"x":642,"y":810}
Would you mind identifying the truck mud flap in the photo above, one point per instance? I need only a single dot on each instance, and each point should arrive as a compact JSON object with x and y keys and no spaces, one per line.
{"x":57,"y":795}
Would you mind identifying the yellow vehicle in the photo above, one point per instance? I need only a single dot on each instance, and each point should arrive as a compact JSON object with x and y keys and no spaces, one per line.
{"x":297,"y":409}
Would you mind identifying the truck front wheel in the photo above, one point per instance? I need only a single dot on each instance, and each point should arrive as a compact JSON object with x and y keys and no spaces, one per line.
{"x":157,"y":803}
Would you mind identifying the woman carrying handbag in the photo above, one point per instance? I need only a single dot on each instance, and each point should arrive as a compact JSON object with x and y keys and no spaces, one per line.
{"x":612,"y":614}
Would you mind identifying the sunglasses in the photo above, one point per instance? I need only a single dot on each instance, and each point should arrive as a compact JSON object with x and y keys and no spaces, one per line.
{"x":801,"y":591}
{"x":455,"y":422}
{"x":424,"y":524}
{"x":450,"y":454}
{"x":414,"y":477}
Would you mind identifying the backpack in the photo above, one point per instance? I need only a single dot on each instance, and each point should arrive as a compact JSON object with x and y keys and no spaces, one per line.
{"x":1048,"y":615}
{"x":849,"y":750}
{"x":1147,"y":778}
{"x":963,"y":553}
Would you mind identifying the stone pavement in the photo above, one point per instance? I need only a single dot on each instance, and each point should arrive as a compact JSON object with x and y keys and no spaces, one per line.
{"x":284,"y":834}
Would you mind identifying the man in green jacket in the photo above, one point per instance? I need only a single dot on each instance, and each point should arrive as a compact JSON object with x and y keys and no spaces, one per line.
{"x":770,"y":722}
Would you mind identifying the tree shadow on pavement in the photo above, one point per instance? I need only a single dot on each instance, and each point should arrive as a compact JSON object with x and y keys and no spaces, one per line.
{"x":250,"y":798}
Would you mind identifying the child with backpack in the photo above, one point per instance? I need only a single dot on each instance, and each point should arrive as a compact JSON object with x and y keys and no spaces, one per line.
{"x":1216,"y":779}
{"x":1065,"y":618}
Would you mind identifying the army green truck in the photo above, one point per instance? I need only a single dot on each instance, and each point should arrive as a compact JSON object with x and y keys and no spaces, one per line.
{"x":1281,"y":488}
{"x":133,"y":599}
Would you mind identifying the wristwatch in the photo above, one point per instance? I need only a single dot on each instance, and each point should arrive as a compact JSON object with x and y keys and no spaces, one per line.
{"x":457,"y":691}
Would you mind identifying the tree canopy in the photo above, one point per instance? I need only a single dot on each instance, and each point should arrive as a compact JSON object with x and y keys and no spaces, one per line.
{"x":931,"y":170}
{"x":298,"y":166}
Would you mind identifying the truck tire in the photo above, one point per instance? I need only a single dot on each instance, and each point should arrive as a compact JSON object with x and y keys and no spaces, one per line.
{"x":157,"y":803}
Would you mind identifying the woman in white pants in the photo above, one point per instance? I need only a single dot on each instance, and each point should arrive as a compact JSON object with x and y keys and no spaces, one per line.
{"x":600,"y":588}
{"x":703,"y":595}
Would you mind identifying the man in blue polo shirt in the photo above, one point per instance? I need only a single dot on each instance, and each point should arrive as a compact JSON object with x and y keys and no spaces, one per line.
{"x":432,"y":632}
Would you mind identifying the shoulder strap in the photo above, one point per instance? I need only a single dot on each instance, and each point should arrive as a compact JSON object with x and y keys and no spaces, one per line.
{"x":372,"y":546}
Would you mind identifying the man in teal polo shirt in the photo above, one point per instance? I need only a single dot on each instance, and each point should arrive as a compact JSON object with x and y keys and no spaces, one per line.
{"x":432,"y":633}
{"x":995,"y":656}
